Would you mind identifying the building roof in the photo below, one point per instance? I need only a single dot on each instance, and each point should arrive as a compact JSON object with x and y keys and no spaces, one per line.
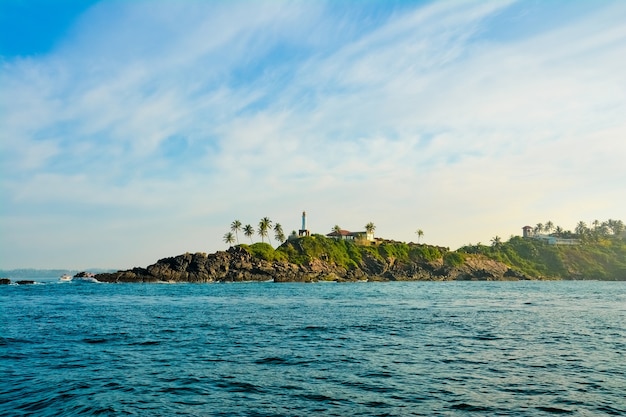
{"x":343,"y":232}
{"x":340,"y":233}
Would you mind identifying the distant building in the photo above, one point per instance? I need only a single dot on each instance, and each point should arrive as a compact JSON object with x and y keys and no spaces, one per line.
{"x":528,"y":232}
{"x":553,"y":240}
{"x":347,"y":235}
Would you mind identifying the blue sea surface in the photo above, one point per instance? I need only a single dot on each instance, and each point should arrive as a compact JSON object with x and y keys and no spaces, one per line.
{"x":267,"y":349}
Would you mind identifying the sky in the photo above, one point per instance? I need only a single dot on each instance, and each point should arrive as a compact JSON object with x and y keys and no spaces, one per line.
{"x":131,"y":131}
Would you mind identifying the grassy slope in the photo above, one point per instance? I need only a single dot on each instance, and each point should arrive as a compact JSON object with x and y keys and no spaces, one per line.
{"x":344,"y":253}
{"x":604,"y":259}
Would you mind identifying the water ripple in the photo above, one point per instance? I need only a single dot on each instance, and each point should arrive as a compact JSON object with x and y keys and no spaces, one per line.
{"x":449,"y":349}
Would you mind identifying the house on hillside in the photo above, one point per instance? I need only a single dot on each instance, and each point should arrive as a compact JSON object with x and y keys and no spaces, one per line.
{"x":347,"y":235}
{"x":528,"y":232}
{"x":553,"y":240}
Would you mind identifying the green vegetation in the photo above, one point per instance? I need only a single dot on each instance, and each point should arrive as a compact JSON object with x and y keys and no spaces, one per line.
{"x":599,"y":251}
{"x":279,"y":234}
{"x":236,"y":227}
{"x":264,"y":251}
{"x":350,"y":254}
{"x":425,"y":252}
{"x":308,"y":248}
{"x":264,"y":226}
{"x":229,"y":238}
{"x":599,"y":256}
{"x":248,"y":230}
{"x":453,"y":259}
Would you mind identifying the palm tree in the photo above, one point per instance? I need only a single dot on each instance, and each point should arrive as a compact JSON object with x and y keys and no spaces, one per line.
{"x":264,"y":225}
{"x":616,"y":226}
{"x":248,"y":231}
{"x":236,"y":227}
{"x":496,"y":241}
{"x":229,"y":238}
{"x":538,"y":228}
{"x":279,"y":235}
{"x":581,"y":228}
{"x":558,"y":231}
{"x":369,"y":228}
{"x":337,"y":230}
{"x":419,"y":233}
{"x":549,"y":226}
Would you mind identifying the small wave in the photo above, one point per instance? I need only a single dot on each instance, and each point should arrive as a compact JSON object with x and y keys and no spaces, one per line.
{"x":555,"y":410}
{"x":315,"y":328}
{"x":238,"y":386}
{"x":317,"y":397}
{"x":382,"y":374}
{"x":185,"y":390}
{"x":376,"y":404}
{"x":146,"y":343}
{"x":95,"y":341}
{"x":487,"y":337}
{"x":611,"y":411}
{"x":271,"y":361}
{"x":470,"y":407}
{"x":69,"y":366}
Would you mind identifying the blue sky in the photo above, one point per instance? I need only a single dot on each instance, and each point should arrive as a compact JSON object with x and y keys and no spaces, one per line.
{"x":136,"y":130}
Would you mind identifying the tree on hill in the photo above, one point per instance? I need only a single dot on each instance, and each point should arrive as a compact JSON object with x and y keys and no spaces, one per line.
{"x":278,"y":233}
{"x":538,"y":229}
{"x":496,"y":241}
{"x":596,"y":225}
{"x":264,"y":226}
{"x":248,"y":230}
{"x":369,"y":228}
{"x":229,"y":238}
{"x":549,"y":226}
{"x":616,"y":226}
{"x":419,"y":233}
{"x":236,"y":227}
{"x":337,"y":230}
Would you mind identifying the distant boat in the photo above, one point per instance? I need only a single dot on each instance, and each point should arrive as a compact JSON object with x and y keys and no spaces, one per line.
{"x":65,"y":278}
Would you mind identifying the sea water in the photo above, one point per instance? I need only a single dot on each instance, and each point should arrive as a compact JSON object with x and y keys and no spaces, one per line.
{"x":360,"y":349}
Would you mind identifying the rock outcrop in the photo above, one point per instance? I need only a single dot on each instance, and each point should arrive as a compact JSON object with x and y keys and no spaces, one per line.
{"x":238,"y":264}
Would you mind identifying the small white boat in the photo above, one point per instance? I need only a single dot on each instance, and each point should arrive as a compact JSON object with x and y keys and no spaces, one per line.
{"x":65,"y":278}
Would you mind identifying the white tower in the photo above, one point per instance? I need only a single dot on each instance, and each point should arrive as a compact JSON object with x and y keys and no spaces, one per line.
{"x":304,"y":231}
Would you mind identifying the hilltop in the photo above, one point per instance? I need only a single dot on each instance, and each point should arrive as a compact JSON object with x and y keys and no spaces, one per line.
{"x":319,"y":258}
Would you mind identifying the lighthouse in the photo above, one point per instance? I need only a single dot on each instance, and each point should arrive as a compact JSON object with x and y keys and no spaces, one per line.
{"x":304,"y":231}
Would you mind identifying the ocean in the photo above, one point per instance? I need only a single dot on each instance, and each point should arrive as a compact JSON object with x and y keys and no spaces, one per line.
{"x":360,"y":349}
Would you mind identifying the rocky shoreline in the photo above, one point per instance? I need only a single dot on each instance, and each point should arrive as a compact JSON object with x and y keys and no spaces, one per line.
{"x":237,"y":264}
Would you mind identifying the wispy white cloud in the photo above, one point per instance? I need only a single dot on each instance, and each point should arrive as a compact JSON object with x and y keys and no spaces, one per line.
{"x":156,"y":124}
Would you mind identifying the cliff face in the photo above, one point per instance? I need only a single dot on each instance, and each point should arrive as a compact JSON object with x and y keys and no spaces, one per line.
{"x":238,"y":264}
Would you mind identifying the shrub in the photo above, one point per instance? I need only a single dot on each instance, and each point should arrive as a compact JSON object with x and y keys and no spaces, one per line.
{"x":453,"y":259}
{"x":424,"y":253}
{"x":265,"y":251}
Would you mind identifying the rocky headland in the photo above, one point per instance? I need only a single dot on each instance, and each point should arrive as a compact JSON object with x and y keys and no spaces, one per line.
{"x":241,"y":263}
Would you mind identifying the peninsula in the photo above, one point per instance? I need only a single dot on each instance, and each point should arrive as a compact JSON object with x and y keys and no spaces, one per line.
{"x":313,"y":258}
